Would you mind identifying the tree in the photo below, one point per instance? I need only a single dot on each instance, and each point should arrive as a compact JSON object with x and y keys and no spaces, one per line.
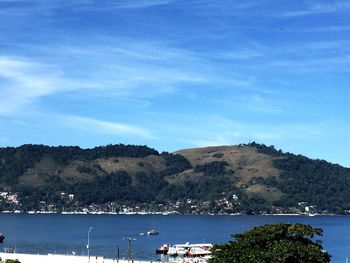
{"x":288,"y":243}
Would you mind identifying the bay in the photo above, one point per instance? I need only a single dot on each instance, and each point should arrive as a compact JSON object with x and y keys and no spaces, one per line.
{"x":67,"y":234}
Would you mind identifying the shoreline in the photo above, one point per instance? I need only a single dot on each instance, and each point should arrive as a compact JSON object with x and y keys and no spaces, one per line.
{"x":59,"y":258}
{"x":156,"y":213}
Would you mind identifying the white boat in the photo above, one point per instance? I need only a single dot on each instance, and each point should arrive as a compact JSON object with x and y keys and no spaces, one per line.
{"x":192,"y":250}
{"x":177,"y":251}
{"x":198,"y":252}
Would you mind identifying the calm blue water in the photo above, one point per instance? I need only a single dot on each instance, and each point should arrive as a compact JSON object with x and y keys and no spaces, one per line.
{"x":66,"y":233}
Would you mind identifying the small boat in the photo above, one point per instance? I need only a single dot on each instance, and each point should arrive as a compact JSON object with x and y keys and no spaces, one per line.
{"x":2,"y":237}
{"x":163,"y":249}
{"x":312,"y":214}
{"x":152,"y":232}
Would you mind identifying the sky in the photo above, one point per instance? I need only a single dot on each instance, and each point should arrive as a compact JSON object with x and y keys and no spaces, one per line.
{"x":176,"y":74}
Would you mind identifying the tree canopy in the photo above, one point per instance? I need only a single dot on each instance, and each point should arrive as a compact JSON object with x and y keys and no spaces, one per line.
{"x":288,"y":243}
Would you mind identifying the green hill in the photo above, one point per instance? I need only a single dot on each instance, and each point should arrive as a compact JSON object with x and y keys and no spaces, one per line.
{"x":249,"y":178}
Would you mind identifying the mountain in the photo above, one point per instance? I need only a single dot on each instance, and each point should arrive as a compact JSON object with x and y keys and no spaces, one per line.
{"x":250,"y":178}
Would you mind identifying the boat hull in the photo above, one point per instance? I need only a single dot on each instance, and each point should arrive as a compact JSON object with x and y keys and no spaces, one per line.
{"x":161,"y":251}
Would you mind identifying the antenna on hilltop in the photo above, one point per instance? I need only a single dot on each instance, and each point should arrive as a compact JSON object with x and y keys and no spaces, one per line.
{"x":231,"y":135}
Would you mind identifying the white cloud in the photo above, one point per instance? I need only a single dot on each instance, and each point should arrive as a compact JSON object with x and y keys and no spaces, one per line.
{"x":105,"y":127}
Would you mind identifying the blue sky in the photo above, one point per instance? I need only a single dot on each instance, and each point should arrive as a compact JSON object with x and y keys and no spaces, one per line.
{"x":174,"y":74}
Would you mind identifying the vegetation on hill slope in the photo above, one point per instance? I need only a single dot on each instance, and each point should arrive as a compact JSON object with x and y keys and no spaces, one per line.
{"x":251,"y":178}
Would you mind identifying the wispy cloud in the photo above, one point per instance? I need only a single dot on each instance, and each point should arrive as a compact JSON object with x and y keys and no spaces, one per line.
{"x":315,"y":64}
{"x":22,"y":82}
{"x":42,"y":9}
{"x":114,"y":71}
{"x":120,"y":66}
{"x":136,"y":3}
{"x":221,"y":8}
{"x":105,"y":127}
{"x":302,"y":57}
{"x":8,"y":4}
{"x":215,"y":141}
{"x":319,"y":7}
{"x":243,"y":54}
{"x":227,"y":131}
{"x":327,"y":28}
{"x":46,"y":6}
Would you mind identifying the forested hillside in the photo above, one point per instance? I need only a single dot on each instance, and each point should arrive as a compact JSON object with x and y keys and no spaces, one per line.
{"x":249,"y":178}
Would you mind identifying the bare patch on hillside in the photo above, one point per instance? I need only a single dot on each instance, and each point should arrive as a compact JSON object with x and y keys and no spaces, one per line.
{"x":149,"y":164}
{"x":71,"y":173}
{"x":245,"y":161}
{"x":35,"y":176}
{"x":198,"y":156}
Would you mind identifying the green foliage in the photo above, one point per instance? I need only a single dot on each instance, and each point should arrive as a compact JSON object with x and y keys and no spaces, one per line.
{"x":269,"y":150}
{"x":119,"y":150}
{"x":276,"y":243}
{"x":175,"y":163}
{"x":214,"y":180}
{"x":12,"y":261}
{"x":114,"y":186}
{"x":316,"y":182}
{"x":254,"y":205}
{"x":218,"y":155}
{"x":213,"y":168}
{"x":85,"y":169}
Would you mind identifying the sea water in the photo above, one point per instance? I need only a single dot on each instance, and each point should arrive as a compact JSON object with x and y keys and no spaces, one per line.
{"x":69,"y":234}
